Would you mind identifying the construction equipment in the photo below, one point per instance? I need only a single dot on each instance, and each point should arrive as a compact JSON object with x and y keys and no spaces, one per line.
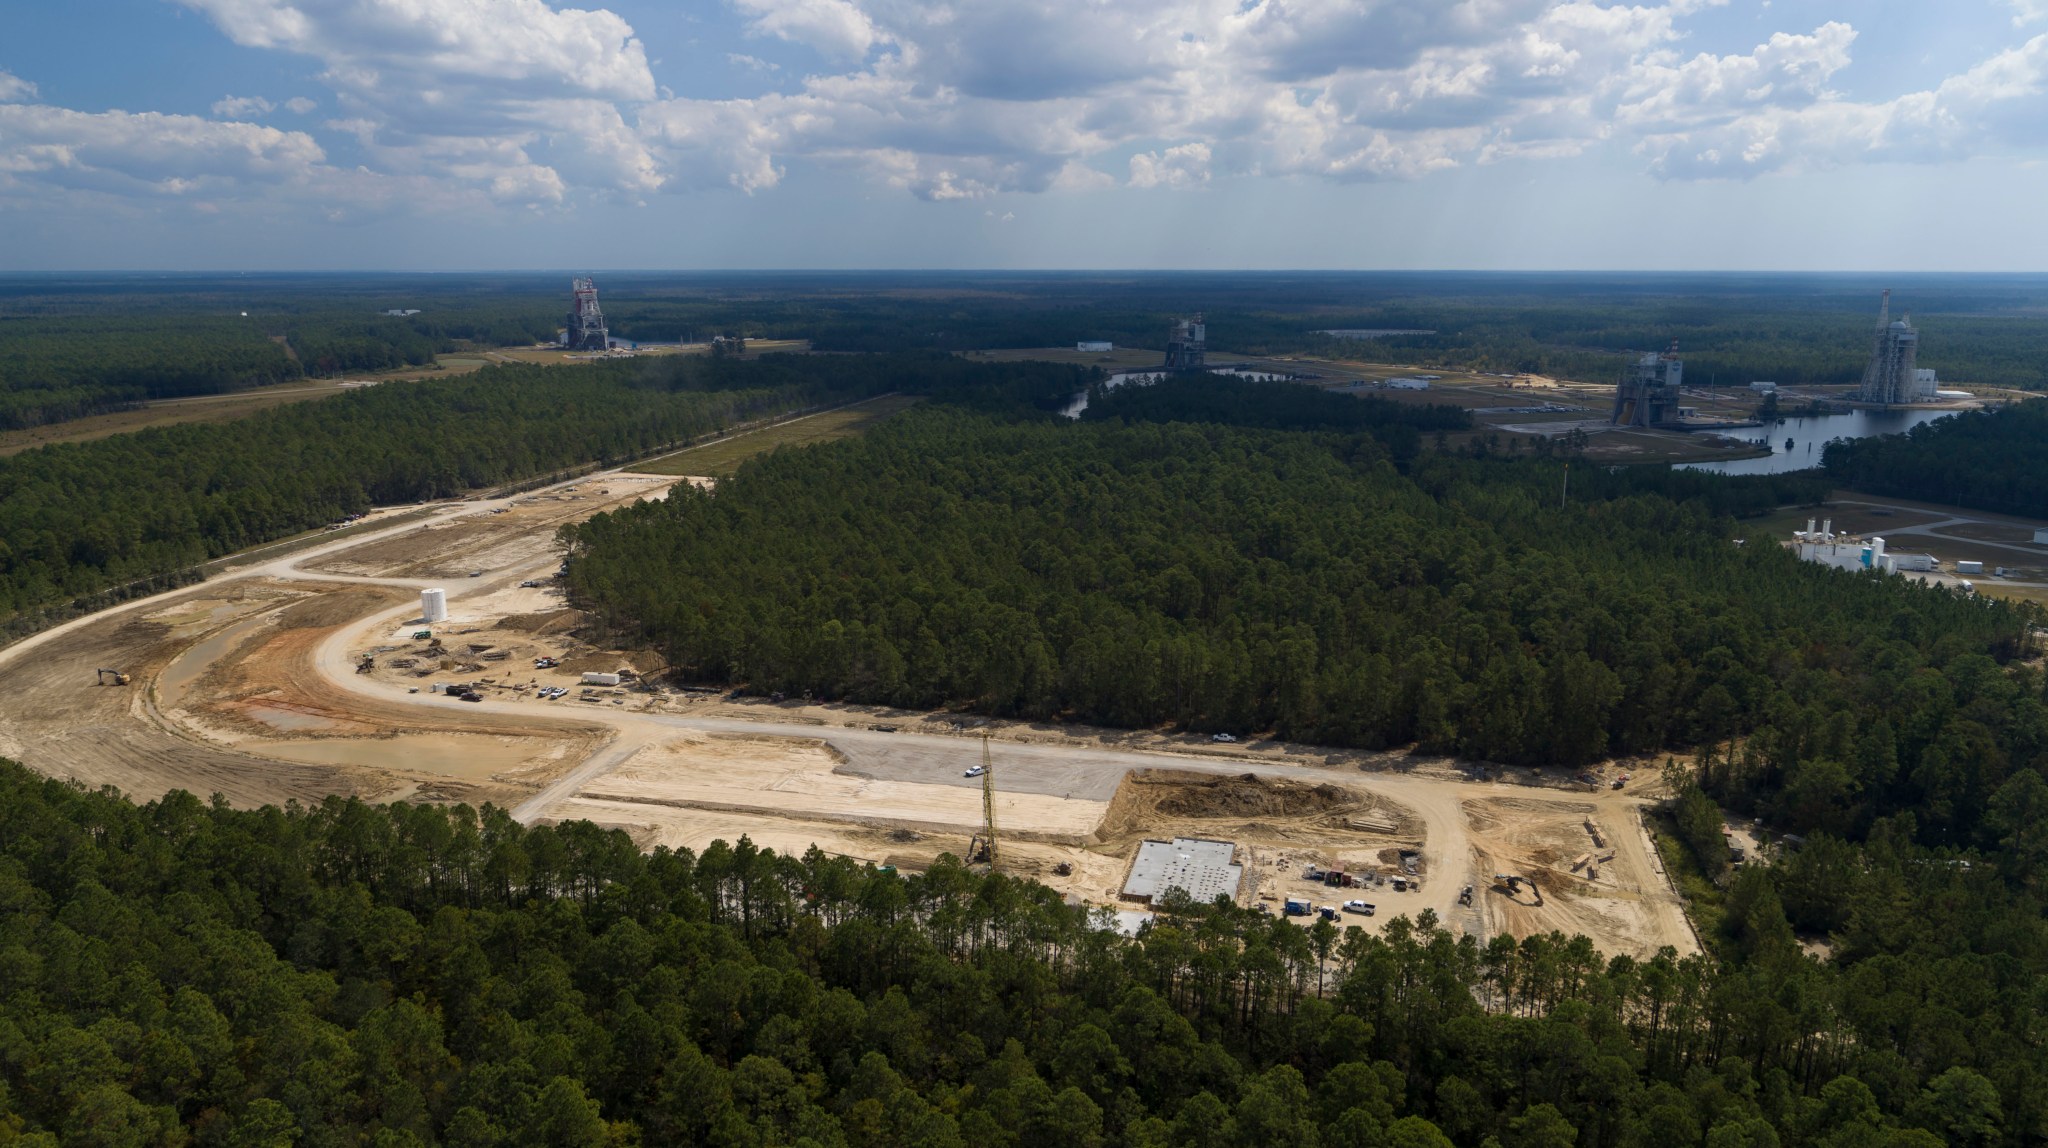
{"x":981,"y":848}
{"x":1511,"y":884}
{"x":1465,"y":896}
{"x":422,"y":635}
{"x":120,"y":679}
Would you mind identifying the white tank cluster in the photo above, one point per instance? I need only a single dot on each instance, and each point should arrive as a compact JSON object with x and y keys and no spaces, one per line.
{"x":433,"y":605}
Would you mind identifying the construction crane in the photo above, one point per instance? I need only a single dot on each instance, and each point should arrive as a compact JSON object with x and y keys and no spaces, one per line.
{"x":120,"y":679}
{"x":981,"y":849}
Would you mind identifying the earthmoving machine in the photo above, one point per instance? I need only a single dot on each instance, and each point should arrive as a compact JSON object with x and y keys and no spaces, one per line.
{"x":120,"y":679}
{"x":1511,"y":884}
{"x":368,"y":664}
{"x":981,"y":848}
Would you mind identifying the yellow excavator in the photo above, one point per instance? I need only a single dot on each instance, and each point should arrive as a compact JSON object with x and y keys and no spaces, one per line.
{"x":120,"y":679}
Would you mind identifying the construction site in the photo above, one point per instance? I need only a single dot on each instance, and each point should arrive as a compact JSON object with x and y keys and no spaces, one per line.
{"x":427,"y":654}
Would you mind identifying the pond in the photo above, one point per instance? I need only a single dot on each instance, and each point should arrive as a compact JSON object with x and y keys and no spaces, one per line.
{"x":1808,"y":434}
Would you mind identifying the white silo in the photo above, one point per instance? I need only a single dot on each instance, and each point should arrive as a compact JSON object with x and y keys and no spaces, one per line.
{"x":433,"y":605}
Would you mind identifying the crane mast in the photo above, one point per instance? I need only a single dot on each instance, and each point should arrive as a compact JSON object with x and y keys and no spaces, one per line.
{"x":982,"y":849}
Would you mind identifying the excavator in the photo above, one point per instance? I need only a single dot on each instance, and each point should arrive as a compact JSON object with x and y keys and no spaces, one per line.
{"x":120,"y":679}
{"x":1511,"y":884}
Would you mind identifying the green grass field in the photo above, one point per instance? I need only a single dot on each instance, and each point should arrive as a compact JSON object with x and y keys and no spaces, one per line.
{"x":724,"y":456}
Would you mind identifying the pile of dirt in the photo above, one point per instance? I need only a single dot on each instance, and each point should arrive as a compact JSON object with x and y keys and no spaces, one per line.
{"x":544,"y":622}
{"x":1249,"y":795}
{"x":1148,"y":797}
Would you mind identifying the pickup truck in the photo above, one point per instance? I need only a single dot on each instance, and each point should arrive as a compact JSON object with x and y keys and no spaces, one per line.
{"x":1362,"y":908}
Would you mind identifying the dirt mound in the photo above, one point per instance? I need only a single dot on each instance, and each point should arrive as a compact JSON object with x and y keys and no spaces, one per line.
{"x":1248,"y":795}
{"x":1149,"y":796}
{"x":544,"y":622}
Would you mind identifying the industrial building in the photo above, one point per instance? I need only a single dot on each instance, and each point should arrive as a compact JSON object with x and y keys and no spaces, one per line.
{"x":1848,"y":552}
{"x":1094,"y":346}
{"x":1647,"y":395}
{"x":584,"y":330}
{"x":1187,"y":345}
{"x":1891,"y":378}
{"x":1203,"y":868}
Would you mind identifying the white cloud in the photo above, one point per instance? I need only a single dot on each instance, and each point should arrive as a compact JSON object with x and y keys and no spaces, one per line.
{"x":835,"y":27}
{"x":521,"y":102}
{"x":513,"y":98}
{"x":2001,"y":105}
{"x":147,"y":153}
{"x":241,"y":107}
{"x":961,"y":101}
{"x":2027,"y":11}
{"x":1177,"y":167}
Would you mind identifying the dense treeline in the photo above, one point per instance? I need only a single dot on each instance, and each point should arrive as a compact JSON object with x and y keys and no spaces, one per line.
{"x":1247,"y":580}
{"x":70,"y":347}
{"x":77,"y":517}
{"x":1276,"y":406}
{"x":65,"y":368}
{"x":1992,"y":460}
{"x":179,"y":973}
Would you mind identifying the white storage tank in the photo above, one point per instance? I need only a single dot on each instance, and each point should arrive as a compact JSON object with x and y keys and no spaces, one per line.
{"x":433,"y":605}
{"x":592,"y":679}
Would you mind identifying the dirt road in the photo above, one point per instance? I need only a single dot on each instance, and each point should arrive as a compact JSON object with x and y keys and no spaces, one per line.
{"x":248,"y":685}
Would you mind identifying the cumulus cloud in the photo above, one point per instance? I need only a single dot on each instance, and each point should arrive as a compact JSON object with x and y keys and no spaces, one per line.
{"x":837,"y":28}
{"x":1999,"y":105}
{"x":512,"y":97}
{"x":147,"y":153}
{"x":960,"y":101}
{"x":1176,"y":167}
{"x":522,"y":102}
{"x":2027,"y":11}
{"x":241,"y":107}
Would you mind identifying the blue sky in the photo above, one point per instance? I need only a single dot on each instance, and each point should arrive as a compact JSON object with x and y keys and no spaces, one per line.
{"x":706,"y":134}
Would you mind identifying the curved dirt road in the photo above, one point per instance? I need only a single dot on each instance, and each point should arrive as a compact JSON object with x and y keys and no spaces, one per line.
{"x":1077,"y":768}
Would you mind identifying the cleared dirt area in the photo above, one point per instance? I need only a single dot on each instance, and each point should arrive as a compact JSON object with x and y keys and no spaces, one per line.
{"x":306,"y":673}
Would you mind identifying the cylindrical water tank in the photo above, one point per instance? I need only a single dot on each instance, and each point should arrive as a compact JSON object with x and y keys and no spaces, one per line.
{"x":433,"y":605}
